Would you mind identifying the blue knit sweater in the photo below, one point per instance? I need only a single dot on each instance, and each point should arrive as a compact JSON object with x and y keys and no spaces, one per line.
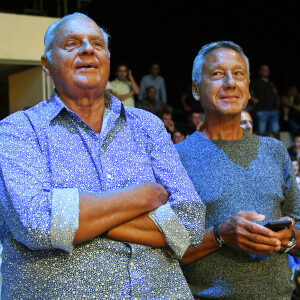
{"x":252,"y":173}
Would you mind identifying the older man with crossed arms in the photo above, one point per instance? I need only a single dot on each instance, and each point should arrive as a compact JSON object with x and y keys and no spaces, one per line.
{"x":94,"y":200}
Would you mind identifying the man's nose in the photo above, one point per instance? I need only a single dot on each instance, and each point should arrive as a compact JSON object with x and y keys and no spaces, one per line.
{"x":229,"y":81}
{"x":86,"y":48}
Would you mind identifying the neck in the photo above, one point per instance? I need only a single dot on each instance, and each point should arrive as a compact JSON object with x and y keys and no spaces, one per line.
{"x":88,"y":107}
{"x":223,"y":128}
{"x":265,"y":79}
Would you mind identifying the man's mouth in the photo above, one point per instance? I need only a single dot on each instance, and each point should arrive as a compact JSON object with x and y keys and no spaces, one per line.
{"x":86,"y":66}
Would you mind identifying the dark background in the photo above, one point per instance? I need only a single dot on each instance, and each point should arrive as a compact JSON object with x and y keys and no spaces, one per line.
{"x":172,"y":33}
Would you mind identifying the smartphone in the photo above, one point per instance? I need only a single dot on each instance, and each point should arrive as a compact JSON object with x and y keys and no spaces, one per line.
{"x":278,"y":225}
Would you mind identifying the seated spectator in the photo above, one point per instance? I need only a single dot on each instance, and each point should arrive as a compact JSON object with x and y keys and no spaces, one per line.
{"x":177,"y":137}
{"x":246,"y":121}
{"x":153,"y":79}
{"x":294,"y":151}
{"x":194,"y":122}
{"x":152,"y":105}
{"x":167,"y":119}
{"x":124,"y":86}
{"x":296,"y":167}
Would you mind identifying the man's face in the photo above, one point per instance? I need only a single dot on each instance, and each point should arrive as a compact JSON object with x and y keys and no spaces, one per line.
{"x":167,"y":119}
{"x":154,"y":70}
{"x":177,"y":137}
{"x":122,"y":73}
{"x":297,"y":142}
{"x":79,"y":59}
{"x":224,"y":87}
{"x":246,"y":121}
{"x":195,"y":119}
{"x":264,"y":71}
{"x":151,"y":94}
{"x":295,"y":166}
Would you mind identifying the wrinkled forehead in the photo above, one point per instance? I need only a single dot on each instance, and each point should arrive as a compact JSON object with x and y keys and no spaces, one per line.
{"x":224,"y":56}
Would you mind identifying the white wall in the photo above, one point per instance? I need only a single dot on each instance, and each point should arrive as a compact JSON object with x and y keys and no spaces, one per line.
{"x":22,"y":38}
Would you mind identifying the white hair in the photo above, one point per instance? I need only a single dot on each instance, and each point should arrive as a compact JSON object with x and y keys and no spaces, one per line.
{"x":200,"y":58}
{"x":53,"y":28}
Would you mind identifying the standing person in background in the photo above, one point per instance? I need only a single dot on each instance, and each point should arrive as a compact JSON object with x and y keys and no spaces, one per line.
{"x":265,"y":95}
{"x":94,"y":201}
{"x":124,"y":86}
{"x":155,"y":80}
{"x":245,"y":181}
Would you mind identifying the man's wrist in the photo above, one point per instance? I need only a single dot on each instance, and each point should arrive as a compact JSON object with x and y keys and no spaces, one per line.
{"x":291,"y":244}
{"x":219,"y":239}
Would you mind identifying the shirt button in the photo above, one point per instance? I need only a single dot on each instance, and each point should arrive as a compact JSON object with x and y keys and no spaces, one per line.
{"x":108,"y":176}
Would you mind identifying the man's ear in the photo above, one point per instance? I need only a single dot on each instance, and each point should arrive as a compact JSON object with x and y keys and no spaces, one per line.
{"x":44,"y":61}
{"x":195,"y":91}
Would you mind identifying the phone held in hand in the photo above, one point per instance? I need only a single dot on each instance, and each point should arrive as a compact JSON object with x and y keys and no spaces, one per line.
{"x":278,"y":225}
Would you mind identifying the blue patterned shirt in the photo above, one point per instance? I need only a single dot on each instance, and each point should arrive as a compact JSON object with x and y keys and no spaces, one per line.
{"x":47,"y":156}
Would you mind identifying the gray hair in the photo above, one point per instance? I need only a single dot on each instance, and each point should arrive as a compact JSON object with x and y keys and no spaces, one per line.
{"x":200,"y":58}
{"x":53,"y":28}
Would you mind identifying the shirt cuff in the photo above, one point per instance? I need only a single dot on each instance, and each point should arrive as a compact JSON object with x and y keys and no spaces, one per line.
{"x":65,"y":218}
{"x":172,"y":229}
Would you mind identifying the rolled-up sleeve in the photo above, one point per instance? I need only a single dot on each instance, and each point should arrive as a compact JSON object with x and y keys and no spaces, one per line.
{"x":65,"y":216}
{"x":182,"y":219}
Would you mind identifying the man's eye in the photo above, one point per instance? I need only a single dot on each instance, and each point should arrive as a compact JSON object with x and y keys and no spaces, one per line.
{"x":70,"y":44}
{"x":98,"y":44}
{"x":239,"y":73}
{"x":217,"y":74}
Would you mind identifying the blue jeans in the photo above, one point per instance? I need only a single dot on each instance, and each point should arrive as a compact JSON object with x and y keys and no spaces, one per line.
{"x":267,"y":121}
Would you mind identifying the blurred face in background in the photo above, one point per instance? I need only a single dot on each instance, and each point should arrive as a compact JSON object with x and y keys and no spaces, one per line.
{"x":246,"y":121}
{"x":296,"y":167}
{"x":297,"y":142}
{"x":195,"y":120}
{"x":122,"y":73}
{"x":177,"y":137}
{"x":151,"y":93}
{"x":154,"y":70}
{"x":264,"y":71}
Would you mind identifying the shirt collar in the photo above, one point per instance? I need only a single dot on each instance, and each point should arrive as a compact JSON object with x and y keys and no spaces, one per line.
{"x":56,"y":106}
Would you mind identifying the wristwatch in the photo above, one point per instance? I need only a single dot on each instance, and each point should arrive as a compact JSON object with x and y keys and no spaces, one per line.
{"x":291,"y":244}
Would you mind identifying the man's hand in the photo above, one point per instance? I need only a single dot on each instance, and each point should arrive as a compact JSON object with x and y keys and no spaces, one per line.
{"x":240,"y":233}
{"x":154,"y":194}
{"x":130,"y":74}
{"x":285,"y":235}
